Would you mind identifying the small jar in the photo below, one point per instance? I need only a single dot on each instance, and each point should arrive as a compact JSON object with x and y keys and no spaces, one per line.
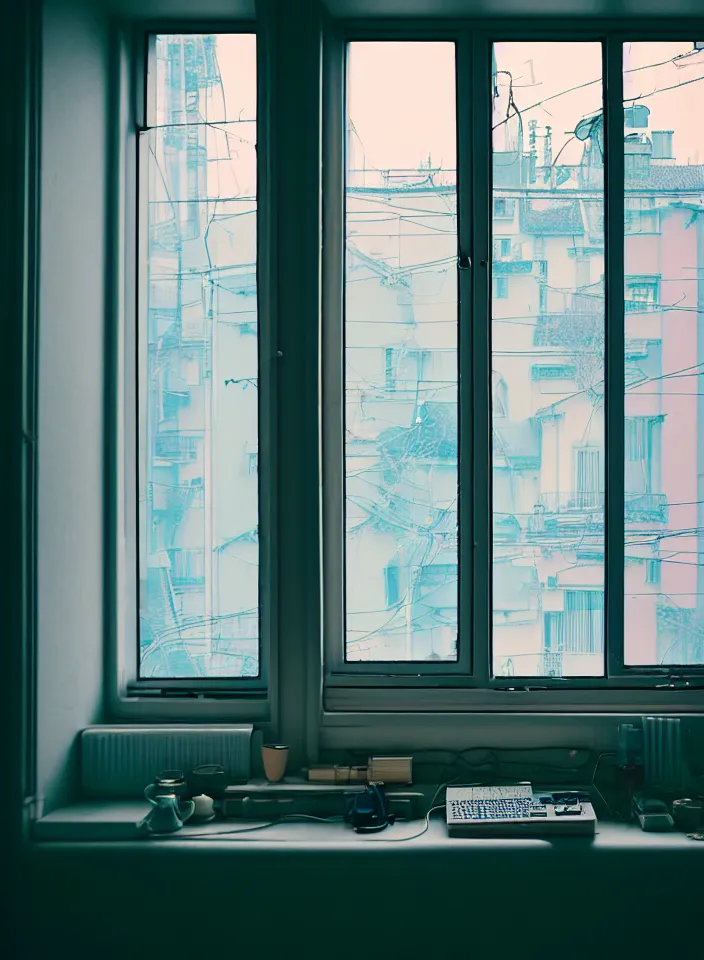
{"x":688,"y":814}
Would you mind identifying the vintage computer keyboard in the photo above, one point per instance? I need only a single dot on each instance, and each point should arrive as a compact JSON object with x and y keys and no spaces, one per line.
{"x":516,"y":811}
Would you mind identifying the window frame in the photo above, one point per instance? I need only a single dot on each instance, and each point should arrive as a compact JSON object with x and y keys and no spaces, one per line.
{"x":341,"y":705}
{"x":383,"y":687}
{"x":127,"y":695}
{"x":335,"y":665}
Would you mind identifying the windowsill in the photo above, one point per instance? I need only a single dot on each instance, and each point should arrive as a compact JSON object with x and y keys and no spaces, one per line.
{"x":101,"y":822}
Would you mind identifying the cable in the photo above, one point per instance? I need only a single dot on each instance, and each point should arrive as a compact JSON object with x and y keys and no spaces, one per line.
{"x":414,"y":836}
{"x":594,"y":786}
{"x":590,"y":83}
{"x":262,"y":826}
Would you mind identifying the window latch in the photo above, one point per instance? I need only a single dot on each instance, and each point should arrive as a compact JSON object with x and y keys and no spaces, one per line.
{"x":678,"y":683}
{"x":464,"y":261}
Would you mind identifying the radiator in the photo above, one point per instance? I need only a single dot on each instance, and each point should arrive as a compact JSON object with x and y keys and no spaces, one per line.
{"x":662,"y":753}
{"x":119,"y":761}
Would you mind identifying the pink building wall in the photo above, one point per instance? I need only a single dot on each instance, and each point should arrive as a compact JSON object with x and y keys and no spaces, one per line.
{"x":673,"y":256}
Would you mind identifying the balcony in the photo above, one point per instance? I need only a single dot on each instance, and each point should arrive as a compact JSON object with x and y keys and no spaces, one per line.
{"x":561,"y":514}
{"x":641,"y":306}
{"x":176,"y":497}
{"x":176,"y":447}
{"x":579,"y":501}
{"x":639,"y":508}
{"x":187,"y":567}
{"x":551,"y":663}
{"x":646,"y":507}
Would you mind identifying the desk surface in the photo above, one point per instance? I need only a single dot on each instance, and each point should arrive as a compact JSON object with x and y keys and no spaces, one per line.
{"x":101,"y":822}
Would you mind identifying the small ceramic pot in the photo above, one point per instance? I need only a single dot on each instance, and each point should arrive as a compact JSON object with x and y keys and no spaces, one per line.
{"x":274,"y":758}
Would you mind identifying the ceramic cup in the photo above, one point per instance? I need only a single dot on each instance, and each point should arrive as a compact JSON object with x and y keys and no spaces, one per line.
{"x":274,"y":758}
{"x":203,"y":809}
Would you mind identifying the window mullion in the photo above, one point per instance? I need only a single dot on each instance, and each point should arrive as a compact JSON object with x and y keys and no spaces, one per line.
{"x":615,"y":353}
{"x":475,"y":350}
{"x":293,"y":38}
{"x":466,"y":632}
{"x":332,"y":347}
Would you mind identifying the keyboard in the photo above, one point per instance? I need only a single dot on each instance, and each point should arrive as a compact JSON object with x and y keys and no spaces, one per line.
{"x":488,"y":809}
{"x":516,"y":811}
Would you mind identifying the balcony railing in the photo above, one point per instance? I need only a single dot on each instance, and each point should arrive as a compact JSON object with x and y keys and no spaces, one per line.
{"x":639,"y":507}
{"x":643,"y":507}
{"x":640,"y":306}
{"x":552,"y":664}
{"x":176,"y":446}
{"x":176,"y":497}
{"x":571,"y":502}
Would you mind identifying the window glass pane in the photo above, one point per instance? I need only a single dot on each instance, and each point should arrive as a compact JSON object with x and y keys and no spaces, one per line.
{"x":664,"y":372}
{"x":198,"y":385}
{"x":548,"y":360}
{"x":401,"y":353}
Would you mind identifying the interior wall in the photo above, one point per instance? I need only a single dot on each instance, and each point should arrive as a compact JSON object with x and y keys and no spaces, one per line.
{"x":72,"y":309}
{"x":484,"y":901}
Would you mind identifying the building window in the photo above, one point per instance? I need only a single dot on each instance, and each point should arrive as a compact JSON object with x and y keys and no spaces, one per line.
{"x":502,"y":248}
{"x":187,"y":567}
{"x":652,"y":571}
{"x":499,"y":395}
{"x":642,"y":294}
{"x":642,"y":442}
{"x":588,"y":488}
{"x":504,"y":208}
{"x":641,"y":215}
{"x":393,"y":594}
{"x":403,"y":368}
{"x":553,"y":371}
{"x":584,"y":621}
{"x":499,"y":288}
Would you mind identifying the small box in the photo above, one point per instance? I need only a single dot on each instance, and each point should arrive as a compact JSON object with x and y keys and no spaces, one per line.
{"x":390,"y":769}
{"x":338,"y":773}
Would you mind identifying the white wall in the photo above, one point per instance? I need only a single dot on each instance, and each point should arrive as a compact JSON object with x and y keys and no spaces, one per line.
{"x":74,"y":174}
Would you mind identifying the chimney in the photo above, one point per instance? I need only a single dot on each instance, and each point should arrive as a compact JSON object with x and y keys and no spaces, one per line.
{"x":637,"y":156}
{"x":635,"y":117}
{"x":662,"y":144}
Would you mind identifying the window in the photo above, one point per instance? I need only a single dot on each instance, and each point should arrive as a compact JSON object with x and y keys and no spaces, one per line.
{"x":574,"y":636}
{"x":504,"y":208}
{"x":198,"y":386}
{"x":500,"y":288}
{"x":642,"y":444}
{"x":642,"y":294}
{"x":584,"y":622}
{"x":507,"y":469}
{"x":404,"y":368}
{"x":554,"y":371}
{"x":652,"y":571}
{"x":664,"y":614}
{"x":401,"y":442}
{"x":553,"y":449}
{"x":559,"y":501}
{"x":641,"y":215}
{"x":588,"y":485}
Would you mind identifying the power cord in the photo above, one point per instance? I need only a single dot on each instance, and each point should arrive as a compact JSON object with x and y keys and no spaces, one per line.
{"x":214,"y":834}
{"x":595,"y":787}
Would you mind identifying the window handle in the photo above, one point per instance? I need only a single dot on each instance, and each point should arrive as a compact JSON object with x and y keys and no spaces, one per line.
{"x":464,"y":262}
